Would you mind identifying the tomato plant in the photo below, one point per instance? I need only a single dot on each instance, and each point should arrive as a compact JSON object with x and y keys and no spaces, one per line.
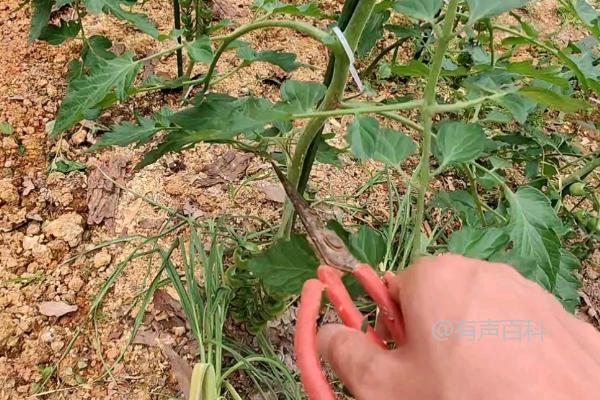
{"x":481,"y":113}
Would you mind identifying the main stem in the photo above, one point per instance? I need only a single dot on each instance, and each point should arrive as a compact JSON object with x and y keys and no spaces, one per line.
{"x":427,"y":114}
{"x":332,"y":98}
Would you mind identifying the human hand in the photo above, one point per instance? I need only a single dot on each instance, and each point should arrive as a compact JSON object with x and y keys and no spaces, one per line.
{"x":564,"y":363}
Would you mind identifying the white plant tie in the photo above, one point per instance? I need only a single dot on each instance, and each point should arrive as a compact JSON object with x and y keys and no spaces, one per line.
{"x":350,"y":54}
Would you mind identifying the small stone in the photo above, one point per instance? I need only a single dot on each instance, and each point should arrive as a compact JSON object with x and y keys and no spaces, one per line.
{"x":179,"y":331}
{"x":102,"y":259}
{"x":76,"y":283}
{"x":38,"y":250}
{"x":112,"y":354}
{"x":51,"y":90}
{"x":592,"y":272}
{"x":68,"y":227}
{"x":79,"y":138}
{"x":57,"y":345}
{"x":48,"y":336}
{"x":9,"y":194}
{"x":33,"y":229}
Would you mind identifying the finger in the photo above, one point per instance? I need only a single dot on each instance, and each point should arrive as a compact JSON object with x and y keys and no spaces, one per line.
{"x":357,"y":361}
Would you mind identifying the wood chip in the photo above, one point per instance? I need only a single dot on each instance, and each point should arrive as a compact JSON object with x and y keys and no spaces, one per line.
{"x":55,"y":308}
{"x":223,"y":9}
{"x":180,"y":367}
{"x":102,"y":194}
{"x":229,"y":168}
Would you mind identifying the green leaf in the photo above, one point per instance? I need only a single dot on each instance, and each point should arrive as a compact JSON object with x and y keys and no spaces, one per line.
{"x":532,"y":230}
{"x":478,"y":243}
{"x":370,"y":142}
{"x":567,"y":284}
{"x":458,"y":142}
{"x":548,"y":74}
{"x":277,"y":7}
{"x":96,"y":50}
{"x":128,"y":133}
{"x":367,"y":245}
{"x":480,"y":9}
{"x":413,"y":68}
{"x":40,"y":16}
{"x":65,"y":166}
{"x":586,"y":12}
{"x":519,"y":106}
{"x":419,"y":9}
{"x":228,"y":116}
{"x":373,"y":32}
{"x":326,"y":153}
{"x":285,"y":61}
{"x":61,"y":3}
{"x":554,"y":100}
{"x":6,"y":129}
{"x":86,"y":91}
{"x":200,"y":50}
{"x":56,"y":35}
{"x":300,"y":96}
{"x":285,"y":266}
{"x":115,"y":7}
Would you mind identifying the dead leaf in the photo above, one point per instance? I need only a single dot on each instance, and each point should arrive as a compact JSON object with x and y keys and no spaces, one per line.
{"x":28,"y":185}
{"x":180,"y":367}
{"x":167,"y":310}
{"x":274,"y":192}
{"x":146,"y":337}
{"x":55,"y":308}
{"x":228,"y":168}
{"x":222,"y":9}
{"x":102,"y":194}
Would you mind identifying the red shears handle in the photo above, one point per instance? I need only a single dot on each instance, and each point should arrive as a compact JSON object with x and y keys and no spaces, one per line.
{"x":305,"y":341}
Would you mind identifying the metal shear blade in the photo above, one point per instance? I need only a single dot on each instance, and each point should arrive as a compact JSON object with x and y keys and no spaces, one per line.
{"x":328,"y":245}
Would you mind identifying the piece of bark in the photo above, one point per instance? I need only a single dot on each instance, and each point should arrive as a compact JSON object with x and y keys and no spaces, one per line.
{"x":228,"y":168}
{"x":102,"y":194}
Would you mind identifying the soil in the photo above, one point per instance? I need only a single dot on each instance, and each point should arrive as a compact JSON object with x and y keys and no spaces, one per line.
{"x":49,"y":218}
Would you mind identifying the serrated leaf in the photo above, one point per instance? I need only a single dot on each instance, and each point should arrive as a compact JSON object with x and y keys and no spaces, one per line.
{"x":419,"y":9}
{"x":128,"y":133}
{"x":519,"y":106}
{"x":367,"y":245}
{"x":115,"y":7}
{"x":370,"y":142}
{"x":567,"y":284}
{"x":65,"y":166}
{"x":96,"y":50}
{"x":553,"y":100}
{"x":56,"y":35}
{"x":277,"y":7}
{"x":228,"y":115}
{"x":458,"y":142}
{"x":548,"y":74}
{"x":86,"y":91}
{"x":531,"y":229}
{"x":285,"y":61}
{"x":373,"y":32}
{"x":478,"y":243}
{"x":200,"y":50}
{"x":480,"y":9}
{"x":40,"y":16}
{"x":285,"y":266}
{"x":300,"y":96}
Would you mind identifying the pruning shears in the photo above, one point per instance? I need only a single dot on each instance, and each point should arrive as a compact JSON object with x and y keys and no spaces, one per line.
{"x":337,"y":260}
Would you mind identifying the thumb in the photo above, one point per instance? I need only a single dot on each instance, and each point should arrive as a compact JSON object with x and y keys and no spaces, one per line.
{"x":356,"y":360}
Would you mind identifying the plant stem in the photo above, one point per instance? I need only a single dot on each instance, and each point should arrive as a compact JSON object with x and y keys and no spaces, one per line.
{"x":461,"y":105}
{"x":332,"y":98}
{"x":177,"y":26}
{"x":367,"y":71}
{"x":375,"y":109}
{"x":427,"y":114}
{"x":581,"y":173}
